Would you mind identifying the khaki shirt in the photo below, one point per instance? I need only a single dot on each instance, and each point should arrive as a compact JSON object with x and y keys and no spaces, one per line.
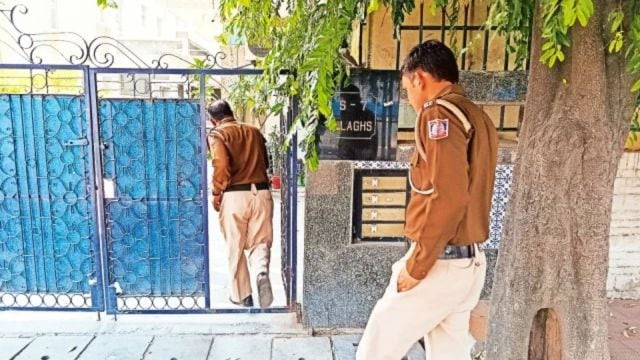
{"x":454,"y":182}
{"x":239,"y":155}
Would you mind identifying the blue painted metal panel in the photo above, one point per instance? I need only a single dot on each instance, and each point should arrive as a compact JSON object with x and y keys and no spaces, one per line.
{"x":48,"y":252}
{"x":156,"y":244}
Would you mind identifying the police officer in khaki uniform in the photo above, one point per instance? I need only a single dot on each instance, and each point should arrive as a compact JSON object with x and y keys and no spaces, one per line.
{"x":241,"y":194}
{"x":435,"y":286}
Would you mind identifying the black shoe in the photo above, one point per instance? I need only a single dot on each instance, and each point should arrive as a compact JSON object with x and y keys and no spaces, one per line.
{"x":247,"y":302}
{"x":264,"y":290}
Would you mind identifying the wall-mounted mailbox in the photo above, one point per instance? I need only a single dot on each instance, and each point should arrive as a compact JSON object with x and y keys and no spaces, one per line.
{"x":380,"y":199}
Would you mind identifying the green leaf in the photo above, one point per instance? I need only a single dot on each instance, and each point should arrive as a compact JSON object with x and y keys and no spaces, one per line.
{"x":619,"y":44}
{"x":564,"y":40}
{"x":588,"y":5}
{"x":104,"y":4}
{"x":433,"y":8}
{"x":374,"y":5}
{"x":547,"y":55}
{"x":612,"y":46}
{"x":569,"y":13}
{"x":548,"y":45}
{"x":560,"y":56}
{"x":616,"y":19}
{"x":636,"y":86}
{"x":584,"y":11}
{"x":582,"y":18}
{"x":553,"y":60}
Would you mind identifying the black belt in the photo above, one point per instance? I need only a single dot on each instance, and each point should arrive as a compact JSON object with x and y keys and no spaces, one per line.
{"x":458,"y":252}
{"x":451,"y":252}
{"x":247,"y":187}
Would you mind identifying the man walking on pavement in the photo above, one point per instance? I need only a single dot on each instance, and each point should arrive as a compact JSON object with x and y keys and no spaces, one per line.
{"x":435,"y":286}
{"x":242,"y":196}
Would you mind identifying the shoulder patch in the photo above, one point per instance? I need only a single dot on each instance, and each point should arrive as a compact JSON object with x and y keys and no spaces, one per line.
{"x":438,"y":129}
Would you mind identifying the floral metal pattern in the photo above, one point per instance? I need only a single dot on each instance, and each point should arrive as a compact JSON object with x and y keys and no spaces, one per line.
{"x":47,"y":218}
{"x":155,"y":228}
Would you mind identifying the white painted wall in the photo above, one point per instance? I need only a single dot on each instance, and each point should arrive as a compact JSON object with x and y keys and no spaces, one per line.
{"x":149,"y":27}
{"x":624,"y":254}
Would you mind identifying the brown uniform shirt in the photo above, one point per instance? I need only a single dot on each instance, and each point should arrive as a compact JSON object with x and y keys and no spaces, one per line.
{"x":239,"y":155}
{"x":457,"y":175}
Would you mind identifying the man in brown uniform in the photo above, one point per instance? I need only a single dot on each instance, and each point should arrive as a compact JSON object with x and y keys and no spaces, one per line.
{"x":241,"y":194}
{"x":438,"y":282}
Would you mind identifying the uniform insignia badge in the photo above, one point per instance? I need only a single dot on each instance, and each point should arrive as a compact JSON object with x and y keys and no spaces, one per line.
{"x":438,"y":129}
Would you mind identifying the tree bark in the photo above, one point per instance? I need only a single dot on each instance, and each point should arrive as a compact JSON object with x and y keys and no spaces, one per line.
{"x":554,"y":252}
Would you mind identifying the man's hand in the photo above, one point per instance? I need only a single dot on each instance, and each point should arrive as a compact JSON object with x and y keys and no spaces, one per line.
{"x":217,"y":201}
{"x":405,"y":281}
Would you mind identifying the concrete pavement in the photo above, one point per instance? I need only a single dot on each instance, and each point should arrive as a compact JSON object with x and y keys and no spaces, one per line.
{"x":52,"y":336}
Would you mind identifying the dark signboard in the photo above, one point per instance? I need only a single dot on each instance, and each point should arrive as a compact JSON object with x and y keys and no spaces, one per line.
{"x":367,"y":114}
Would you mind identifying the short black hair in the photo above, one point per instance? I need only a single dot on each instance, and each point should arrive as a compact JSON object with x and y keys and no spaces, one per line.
{"x":220,"y":110}
{"x":433,"y":57}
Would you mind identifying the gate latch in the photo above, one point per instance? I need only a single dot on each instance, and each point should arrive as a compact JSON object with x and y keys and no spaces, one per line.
{"x":76,"y":142}
{"x":116,"y":287}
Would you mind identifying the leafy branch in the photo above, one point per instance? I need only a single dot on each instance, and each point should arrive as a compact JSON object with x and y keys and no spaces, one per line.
{"x":558,"y":17}
{"x":105,"y":4}
{"x":304,"y":60}
{"x":305,"y":38}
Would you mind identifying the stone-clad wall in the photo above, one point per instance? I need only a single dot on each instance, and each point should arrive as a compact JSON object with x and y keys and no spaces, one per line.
{"x":342,"y":281}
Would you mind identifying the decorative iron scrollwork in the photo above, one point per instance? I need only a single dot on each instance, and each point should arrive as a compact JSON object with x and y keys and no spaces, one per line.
{"x":101,"y":52}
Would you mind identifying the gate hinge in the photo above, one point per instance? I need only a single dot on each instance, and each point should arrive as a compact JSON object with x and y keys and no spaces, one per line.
{"x":76,"y":142}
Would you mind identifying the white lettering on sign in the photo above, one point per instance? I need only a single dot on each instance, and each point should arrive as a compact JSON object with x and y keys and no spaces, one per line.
{"x":374,"y":182}
{"x":356,"y":126}
{"x":374,"y":199}
{"x":374,"y":215}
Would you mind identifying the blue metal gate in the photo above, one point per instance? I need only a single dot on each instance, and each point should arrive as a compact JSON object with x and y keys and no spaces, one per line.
{"x":49,"y":253}
{"x":154,"y":193}
{"x":153,"y":173}
{"x":104,"y":197}
{"x":103,"y":192}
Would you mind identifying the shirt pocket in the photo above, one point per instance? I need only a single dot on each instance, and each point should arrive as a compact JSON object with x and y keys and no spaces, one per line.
{"x":418,"y":177}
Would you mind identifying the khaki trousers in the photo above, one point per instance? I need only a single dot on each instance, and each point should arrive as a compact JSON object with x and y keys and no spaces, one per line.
{"x":438,"y":309}
{"x":246,"y":223}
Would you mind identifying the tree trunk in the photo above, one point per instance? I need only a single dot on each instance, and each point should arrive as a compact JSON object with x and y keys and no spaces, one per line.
{"x":554,"y":252}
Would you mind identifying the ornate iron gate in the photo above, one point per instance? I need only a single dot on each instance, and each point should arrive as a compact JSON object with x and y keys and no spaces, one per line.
{"x":103,"y":191}
{"x":154,"y":190}
{"x":49,"y":250}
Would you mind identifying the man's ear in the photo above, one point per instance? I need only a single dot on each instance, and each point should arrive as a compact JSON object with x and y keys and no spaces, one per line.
{"x":421,"y":78}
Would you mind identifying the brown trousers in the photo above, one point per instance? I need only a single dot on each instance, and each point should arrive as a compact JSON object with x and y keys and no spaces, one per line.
{"x":246,"y":221}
